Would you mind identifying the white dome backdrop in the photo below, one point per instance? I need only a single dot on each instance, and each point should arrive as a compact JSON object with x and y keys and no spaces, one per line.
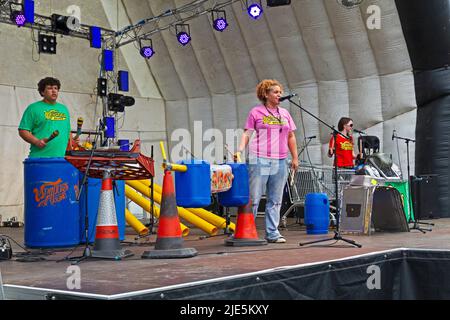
{"x":318,"y":49}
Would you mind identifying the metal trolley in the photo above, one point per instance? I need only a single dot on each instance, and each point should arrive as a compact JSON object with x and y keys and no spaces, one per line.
{"x":314,"y":179}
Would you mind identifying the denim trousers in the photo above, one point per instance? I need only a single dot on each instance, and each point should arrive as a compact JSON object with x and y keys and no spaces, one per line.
{"x":269,"y":175}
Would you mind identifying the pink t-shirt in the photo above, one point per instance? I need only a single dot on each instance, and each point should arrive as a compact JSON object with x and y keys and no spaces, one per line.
{"x":272,"y":128}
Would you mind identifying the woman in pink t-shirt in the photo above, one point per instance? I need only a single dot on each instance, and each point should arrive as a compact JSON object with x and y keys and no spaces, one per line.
{"x":269,"y":132}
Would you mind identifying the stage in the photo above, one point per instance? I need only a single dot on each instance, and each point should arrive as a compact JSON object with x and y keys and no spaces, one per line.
{"x":222,"y":272}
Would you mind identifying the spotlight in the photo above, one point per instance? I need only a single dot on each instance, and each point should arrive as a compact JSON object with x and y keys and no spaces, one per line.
{"x":64,"y":24}
{"x":102,"y":87}
{"x":118,"y":102}
{"x":18,"y":17}
{"x":183,"y":37}
{"x":219,"y":18}
{"x":47,"y":43}
{"x":146,"y":50}
{"x":255,"y":10}
{"x":276,"y":3}
{"x":28,"y":9}
{"x":17,"y":14}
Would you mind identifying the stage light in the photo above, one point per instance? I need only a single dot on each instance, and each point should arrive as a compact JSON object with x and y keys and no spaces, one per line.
{"x":219,"y":20}
{"x":183,"y":37}
{"x":102,"y":87}
{"x":95,"y":37}
{"x":254,"y":10}
{"x":122,"y":80}
{"x":64,"y":24}
{"x":108,"y":60}
{"x":16,"y":14}
{"x":18,"y":17}
{"x":28,"y":9}
{"x":118,"y":102}
{"x":147,"y":52}
{"x":47,"y":43}
{"x":276,"y":3}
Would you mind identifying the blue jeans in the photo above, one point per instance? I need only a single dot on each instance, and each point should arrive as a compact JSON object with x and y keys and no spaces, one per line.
{"x":271,"y":174}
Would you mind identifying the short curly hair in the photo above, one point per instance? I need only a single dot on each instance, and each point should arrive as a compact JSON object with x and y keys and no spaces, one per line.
{"x":49,"y":81}
{"x":264,"y":87}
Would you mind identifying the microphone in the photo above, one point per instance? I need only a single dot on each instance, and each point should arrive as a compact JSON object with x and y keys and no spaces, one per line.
{"x":287,"y":97}
{"x":311,"y":137}
{"x":359,"y":131}
{"x":393,"y":135}
{"x":52,"y":136}
{"x":79,"y":125}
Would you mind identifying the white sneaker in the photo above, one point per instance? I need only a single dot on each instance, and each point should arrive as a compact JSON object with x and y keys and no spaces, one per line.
{"x":279,"y":240}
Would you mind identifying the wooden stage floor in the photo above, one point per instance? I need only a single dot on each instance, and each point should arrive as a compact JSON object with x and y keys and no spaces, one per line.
{"x":214,"y":260}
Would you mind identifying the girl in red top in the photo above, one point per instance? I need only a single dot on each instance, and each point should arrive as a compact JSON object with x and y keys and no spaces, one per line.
{"x":344,"y":147}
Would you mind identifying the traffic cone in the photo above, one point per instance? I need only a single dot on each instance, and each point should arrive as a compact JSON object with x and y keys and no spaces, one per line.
{"x":107,"y":243}
{"x":245,"y":234}
{"x":169,"y":241}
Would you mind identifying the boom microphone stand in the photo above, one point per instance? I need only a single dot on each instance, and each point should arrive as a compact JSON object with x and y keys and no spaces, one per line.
{"x":84,"y":183}
{"x":415,"y":221}
{"x":337,"y":235}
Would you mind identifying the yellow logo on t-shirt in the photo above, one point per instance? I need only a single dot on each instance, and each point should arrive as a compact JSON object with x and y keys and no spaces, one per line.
{"x":346,"y":145}
{"x":271,"y":120}
{"x":55,"y":115}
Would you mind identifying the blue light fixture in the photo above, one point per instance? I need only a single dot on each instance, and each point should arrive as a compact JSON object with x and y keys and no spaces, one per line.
{"x":255,"y":10}
{"x":183,"y":36}
{"x":219,"y":18}
{"x":146,"y":50}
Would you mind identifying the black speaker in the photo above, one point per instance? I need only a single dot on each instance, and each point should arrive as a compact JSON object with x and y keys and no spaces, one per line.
{"x":276,"y":3}
{"x":425,"y":196}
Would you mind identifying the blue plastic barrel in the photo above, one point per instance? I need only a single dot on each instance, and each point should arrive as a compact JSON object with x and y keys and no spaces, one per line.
{"x":93,"y":198}
{"x":51,"y":211}
{"x":193,"y":187}
{"x":317,"y":210}
{"x":239,"y":194}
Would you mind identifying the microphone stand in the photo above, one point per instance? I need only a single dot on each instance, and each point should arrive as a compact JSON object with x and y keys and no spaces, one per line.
{"x":337,"y":235}
{"x":415,"y":221}
{"x":306,"y":145}
{"x":87,"y":250}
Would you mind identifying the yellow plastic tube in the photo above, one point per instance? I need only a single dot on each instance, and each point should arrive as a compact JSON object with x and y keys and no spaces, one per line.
{"x":202,"y":213}
{"x":183,"y":213}
{"x":135,"y":223}
{"x":170,"y":166}
{"x":145,"y":204}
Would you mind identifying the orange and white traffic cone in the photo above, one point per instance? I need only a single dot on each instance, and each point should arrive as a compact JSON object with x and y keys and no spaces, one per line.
{"x":169,"y":241}
{"x":107,"y":243}
{"x":245,"y":234}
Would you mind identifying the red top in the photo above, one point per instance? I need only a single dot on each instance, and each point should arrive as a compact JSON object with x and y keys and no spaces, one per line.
{"x":344,"y":151}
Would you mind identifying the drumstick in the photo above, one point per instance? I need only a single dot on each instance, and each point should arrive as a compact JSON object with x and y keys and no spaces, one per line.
{"x":52,"y":136}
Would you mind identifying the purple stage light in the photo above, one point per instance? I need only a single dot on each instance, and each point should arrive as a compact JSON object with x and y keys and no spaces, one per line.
{"x":220,"y":24}
{"x":18,"y":18}
{"x":183,"y":38}
{"x":147,"y":52}
{"x":254,"y":11}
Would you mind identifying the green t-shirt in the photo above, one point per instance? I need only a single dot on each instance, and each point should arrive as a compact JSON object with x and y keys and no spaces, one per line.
{"x":41,"y":119}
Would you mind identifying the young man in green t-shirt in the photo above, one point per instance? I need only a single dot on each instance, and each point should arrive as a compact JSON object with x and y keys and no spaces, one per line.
{"x":44,"y":117}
